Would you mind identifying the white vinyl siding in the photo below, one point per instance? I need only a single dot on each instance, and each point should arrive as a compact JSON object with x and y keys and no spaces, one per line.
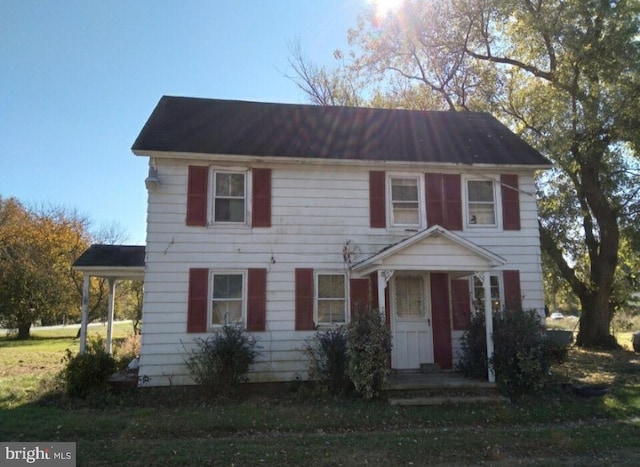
{"x":316,"y":210}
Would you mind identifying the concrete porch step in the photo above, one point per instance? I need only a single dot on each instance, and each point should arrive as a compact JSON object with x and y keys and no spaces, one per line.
{"x":418,"y":388}
{"x":430,"y":368}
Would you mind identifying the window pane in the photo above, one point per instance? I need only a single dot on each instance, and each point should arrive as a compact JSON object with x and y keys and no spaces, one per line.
{"x":223,"y":184}
{"x":226,"y":312}
{"x":229,"y":210}
{"x":227,"y":286}
{"x":331,"y":286}
{"x":409,"y":296}
{"x":482,"y":213}
{"x":228,"y":184}
{"x":237,"y":185}
{"x":480,"y":191}
{"x":404,"y":189}
{"x":331,"y":311}
{"x":406,"y":214}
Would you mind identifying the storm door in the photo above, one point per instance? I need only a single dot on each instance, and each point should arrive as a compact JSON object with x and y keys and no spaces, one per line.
{"x":411,"y":321}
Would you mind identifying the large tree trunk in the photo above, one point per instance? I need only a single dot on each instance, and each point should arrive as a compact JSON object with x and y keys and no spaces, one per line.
{"x":595,"y":323}
{"x":24,"y":330}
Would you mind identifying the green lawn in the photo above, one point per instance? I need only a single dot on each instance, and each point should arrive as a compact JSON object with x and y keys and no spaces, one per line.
{"x":27,"y":366}
{"x":174,"y":426}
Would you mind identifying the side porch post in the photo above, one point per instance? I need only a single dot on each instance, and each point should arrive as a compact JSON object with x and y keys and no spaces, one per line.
{"x":85,"y":313}
{"x":112,"y":293}
{"x":488,"y":317}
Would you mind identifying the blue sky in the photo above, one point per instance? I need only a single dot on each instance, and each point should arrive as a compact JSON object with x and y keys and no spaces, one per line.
{"x":78,"y":80}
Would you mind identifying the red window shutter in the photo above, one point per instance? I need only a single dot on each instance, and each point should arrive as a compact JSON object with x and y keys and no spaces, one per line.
{"x":304,"y":300}
{"x":257,"y":300}
{"x":198,"y":300}
{"x":512,"y":293}
{"x":434,"y":199}
{"x":452,"y":201}
{"x":441,"y":319}
{"x":510,"y":202}
{"x":443,"y":200}
{"x":359,"y":295}
{"x":377,"y":208}
{"x":460,"y":304}
{"x":261,"y":188}
{"x":197,"y":187}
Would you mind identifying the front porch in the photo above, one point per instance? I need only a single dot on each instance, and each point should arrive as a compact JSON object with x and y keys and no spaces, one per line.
{"x":413,"y":284}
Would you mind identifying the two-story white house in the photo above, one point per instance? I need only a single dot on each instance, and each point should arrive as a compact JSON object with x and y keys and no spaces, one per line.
{"x":284,"y":218}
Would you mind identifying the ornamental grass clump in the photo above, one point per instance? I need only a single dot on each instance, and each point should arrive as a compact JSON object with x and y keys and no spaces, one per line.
{"x":221,"y":362}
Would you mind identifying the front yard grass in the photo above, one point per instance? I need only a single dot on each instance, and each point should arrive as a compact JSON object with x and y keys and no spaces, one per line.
{"x":175,"y":426}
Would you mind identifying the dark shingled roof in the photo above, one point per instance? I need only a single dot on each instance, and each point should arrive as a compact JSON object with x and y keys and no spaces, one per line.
{"x":112,"y":256}
{"x":213,"y":126}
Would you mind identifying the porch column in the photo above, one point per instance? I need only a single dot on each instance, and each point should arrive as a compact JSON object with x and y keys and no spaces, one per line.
{"x":488,"y":318}
{"x":85,"y":313}
{"x":383,"y":280}
{"x":112,"y":293}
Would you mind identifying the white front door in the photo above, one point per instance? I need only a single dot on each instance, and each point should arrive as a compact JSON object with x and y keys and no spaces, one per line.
{"x":411,"y":321}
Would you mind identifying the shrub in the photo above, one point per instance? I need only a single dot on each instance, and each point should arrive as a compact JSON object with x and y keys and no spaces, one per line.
{"x":472,"y":361}
{"x":369,"y":342}
{"x":522,"y":353}
{"x":88,"y":373}
{"x":327,"y":352}
{"x":221,"y":361}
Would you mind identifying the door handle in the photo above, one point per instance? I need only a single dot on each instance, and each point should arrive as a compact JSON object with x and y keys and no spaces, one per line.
{"x":429,"y":322}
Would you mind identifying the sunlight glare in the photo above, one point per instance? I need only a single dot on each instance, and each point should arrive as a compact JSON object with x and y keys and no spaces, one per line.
{"x":383,"y":7}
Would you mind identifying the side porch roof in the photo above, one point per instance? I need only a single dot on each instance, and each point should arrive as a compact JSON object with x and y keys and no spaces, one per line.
{"x":116,"y":261}
{"x":433,"y":249}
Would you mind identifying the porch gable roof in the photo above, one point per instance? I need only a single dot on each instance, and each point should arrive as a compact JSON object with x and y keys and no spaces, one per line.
{"x":433,"y":249}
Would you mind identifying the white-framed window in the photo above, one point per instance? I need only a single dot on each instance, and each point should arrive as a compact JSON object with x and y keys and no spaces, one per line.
{"x":331,"y":298}
{"x":228,"y":298}
{"x":497,"y":295}
{"x":405,"y":201}
{"x":409,"y":296}
{"x":230,"y":195}
{"x":481,"y":203}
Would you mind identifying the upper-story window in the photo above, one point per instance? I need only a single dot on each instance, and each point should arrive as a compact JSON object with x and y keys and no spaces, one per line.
{"x":481,"y":203}
{"x":331,"y":299}
{"x":230,"y":195}
{"x":405,"y":207}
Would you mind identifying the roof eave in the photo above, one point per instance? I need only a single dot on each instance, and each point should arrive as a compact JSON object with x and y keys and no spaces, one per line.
{"x":210,"y":157}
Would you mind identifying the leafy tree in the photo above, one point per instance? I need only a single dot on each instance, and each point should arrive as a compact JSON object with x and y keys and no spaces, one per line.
{"x":565,"y":75}
{"x":36,"y":253}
